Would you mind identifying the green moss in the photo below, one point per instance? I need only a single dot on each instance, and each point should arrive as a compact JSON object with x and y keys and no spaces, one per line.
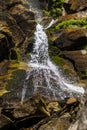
{"x":54,"y":8}
{"x":16,"y":77}
{"x":85,"y":47}
{"x":72,"y":23}
{"x":46,"y":12}
{"x":57,"y":60}
{"x":28,"y":55}
{"x":83,"y":75}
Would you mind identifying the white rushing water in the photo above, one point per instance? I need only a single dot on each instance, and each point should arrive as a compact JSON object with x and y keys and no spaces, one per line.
{"x":45,"y":77}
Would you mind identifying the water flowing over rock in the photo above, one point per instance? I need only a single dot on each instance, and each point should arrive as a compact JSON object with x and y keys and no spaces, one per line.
{"x":45,"y":76}
{"x":44,"y":92}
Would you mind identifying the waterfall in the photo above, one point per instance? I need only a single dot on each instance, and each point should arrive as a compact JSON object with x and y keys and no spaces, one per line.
{"x":45,"y":77}
{"x":35,"y":7}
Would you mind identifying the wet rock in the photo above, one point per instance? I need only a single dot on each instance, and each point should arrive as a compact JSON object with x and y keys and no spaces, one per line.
{"x":79,"y":15}
{"x":71,"y":39}
{"x":56,"y":124}
{"x":53,"y":107}
{"x":10,"y":28}
{"x":8,"y":71}
{"x":78,"y":5}
{"x":24,"y":18}
{"x":72,"y":43}
{"x":81,"y":122}
{"x":17,"y":35}
{"x":78,"y":58}
{"x":71,"y":100}
{"x":33,"y":113}
{"x":17,"y":24}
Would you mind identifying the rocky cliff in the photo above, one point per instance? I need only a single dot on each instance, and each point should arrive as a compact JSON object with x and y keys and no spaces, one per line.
{"x":67,"y":49}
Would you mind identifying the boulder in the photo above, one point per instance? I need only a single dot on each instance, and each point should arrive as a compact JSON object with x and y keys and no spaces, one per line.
{"x":24,"y":18}
{"x":78,"y":5}
{"x":17,"y":25}
{"x":76,"y":16}
{"x":70,"y":38}
{"x":78,"y":58}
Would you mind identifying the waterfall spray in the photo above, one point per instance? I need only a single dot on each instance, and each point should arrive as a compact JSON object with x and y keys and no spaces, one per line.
{"x":46,"y":77}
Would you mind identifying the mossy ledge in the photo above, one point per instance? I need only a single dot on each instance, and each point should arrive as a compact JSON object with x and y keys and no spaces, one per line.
{"x":72,"y":23}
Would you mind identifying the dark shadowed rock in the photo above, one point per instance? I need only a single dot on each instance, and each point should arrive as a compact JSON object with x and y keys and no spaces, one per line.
{"x":5,"y":123}
{"x":24,"y":18}
{"x":16,"y":25}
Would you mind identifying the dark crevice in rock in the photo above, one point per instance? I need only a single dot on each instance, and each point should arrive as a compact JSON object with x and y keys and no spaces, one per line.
{"x":5,"y":47}
{"x":67,"y":8}
{"x":84,"y":9}
{"x":9,"y":39}
{"x":77,"y":44}
{"x":9,"y":126}
{"x":29,"y":121}
{"x":22,"y":122}
{"x":8,"y":113}
{"x":30,"y":47}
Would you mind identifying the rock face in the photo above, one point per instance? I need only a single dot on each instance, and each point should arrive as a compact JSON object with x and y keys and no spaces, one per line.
{"x":70,"y":37}
{"x":78,"y":58}
{"x":67,"y":47}
{"x":81,"y":123}
{"x":17,"y":24}
{"x":78,"y":5}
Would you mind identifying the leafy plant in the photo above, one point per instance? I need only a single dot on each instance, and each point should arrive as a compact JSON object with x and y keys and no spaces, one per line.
{"x":57,"y":60}
{"x":72,"y":23}
{"x":56,"y":7}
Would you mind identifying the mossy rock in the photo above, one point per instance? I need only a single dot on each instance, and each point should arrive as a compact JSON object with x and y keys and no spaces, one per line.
{"x":72,"y":23}
{"x":13,"y":76}
{"x":83,"y":75}
{"x":57,"y":60}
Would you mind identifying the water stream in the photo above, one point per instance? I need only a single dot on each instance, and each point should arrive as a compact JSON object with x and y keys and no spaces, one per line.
{"x":45,"y":77}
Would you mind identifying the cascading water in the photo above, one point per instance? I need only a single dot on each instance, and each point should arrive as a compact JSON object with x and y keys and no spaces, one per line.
{"x":45,"y":77}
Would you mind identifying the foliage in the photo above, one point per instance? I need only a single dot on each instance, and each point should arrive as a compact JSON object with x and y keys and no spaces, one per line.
{"x":56,"y":8}
{"x":28,"y":55}
{"x":46,"y":12}
{"x":83,"y":75}
{"x":85,"y":47}
{"x":72,"y":23}
{"x":57,"y":60}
